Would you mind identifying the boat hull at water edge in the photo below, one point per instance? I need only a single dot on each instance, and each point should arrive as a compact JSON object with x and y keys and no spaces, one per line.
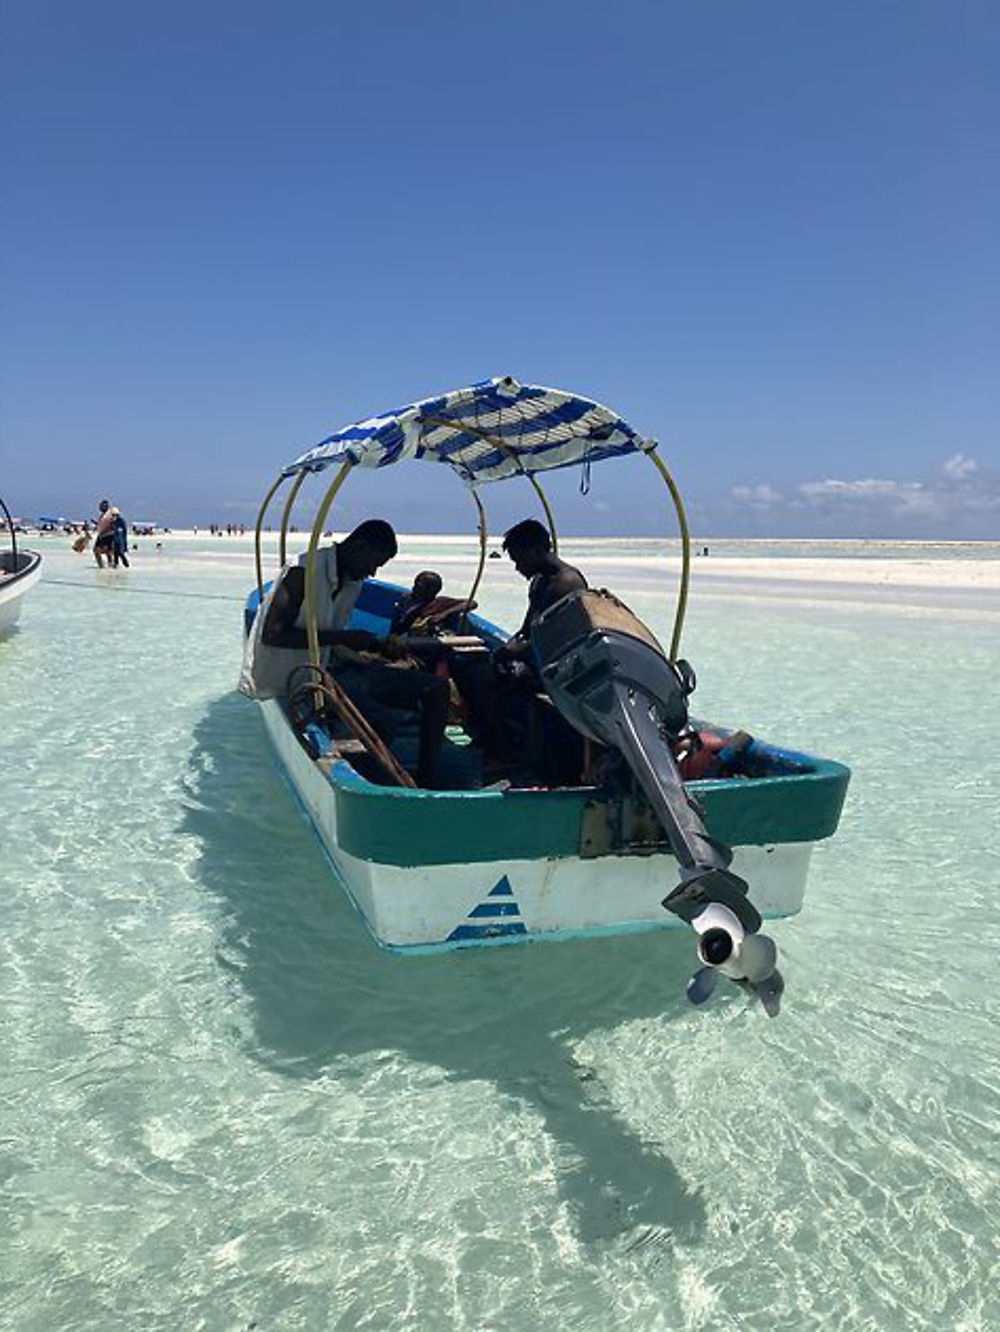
{"x":15,"y":582}
{"x":430,"y":871}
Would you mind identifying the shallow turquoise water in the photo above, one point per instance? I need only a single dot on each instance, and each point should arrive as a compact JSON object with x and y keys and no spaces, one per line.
{"x":222,"y":1107}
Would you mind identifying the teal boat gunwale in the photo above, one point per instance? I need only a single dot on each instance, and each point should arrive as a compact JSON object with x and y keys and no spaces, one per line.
{"x":442,"y":827}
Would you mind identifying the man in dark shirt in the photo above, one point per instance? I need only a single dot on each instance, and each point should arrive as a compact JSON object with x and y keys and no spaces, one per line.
{"x":500,"y":694}
{"x":550,"y":579}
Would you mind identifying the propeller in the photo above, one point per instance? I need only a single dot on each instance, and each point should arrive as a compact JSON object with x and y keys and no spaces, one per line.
{"x":749,"y":960}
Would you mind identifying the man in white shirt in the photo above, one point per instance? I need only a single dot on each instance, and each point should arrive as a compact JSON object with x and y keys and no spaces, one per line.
{"x":280,"y":643}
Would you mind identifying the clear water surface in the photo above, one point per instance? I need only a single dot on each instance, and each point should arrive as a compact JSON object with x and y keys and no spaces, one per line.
{"x":222,"y":1107}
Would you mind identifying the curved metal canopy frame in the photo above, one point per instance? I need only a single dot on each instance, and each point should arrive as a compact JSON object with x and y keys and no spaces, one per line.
{"x":505,"y":449}
{"x":312,"y":632}
{"x":537,"y":486}
{"x":483,"y":537}
{"x":286,"y":515}
{"x":257,"y":531}
{"x":13,"y":534}
{"x":682,"y":591}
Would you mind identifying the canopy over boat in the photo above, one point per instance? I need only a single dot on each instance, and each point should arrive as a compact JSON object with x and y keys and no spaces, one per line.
{"x":491,"y":431}
{"x":487,"y":432}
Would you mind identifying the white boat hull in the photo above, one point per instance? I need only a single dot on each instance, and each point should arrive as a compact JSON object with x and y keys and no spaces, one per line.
{"x":441,"y":906}
{"x":12,"y":593}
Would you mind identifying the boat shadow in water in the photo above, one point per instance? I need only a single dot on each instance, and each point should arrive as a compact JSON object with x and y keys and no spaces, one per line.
{"x":323,"y":992}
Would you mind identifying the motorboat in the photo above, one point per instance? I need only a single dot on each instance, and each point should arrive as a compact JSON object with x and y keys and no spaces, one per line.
{"x":627,"y":842}
{"x":20,"y":570}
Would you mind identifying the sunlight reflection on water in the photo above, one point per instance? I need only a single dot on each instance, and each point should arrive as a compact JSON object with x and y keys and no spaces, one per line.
{"x":224,"y":1107}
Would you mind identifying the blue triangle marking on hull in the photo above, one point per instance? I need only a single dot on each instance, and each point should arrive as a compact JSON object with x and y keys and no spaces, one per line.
{"x":491,"y":914}
{"x":486,"y":931}
{"x":496,"y":909}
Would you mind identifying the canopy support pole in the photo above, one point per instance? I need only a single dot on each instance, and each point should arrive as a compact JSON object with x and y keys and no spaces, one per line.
{"x":256,"y":540}
{"x":508,"y":452}
{"x":286,"y":514}
{"x":682,"y":594}
{"x":13,"y":534}
{"x":548,"y":512}
{"x":312,"y":632}
{"x":483,"y":534}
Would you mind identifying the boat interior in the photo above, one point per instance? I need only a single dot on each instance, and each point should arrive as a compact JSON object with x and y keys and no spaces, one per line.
{"x":14,"y":563}
{"x":546,"y":753}
{"x":602,"y":705}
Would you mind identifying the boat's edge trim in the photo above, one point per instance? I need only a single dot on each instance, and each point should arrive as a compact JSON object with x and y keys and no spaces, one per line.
{"x":514,"y":824}
{"x":628,"y":927}
{"x":33,"y":566}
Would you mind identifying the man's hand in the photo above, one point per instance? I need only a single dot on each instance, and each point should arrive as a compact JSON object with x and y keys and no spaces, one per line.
{"x":515,"y":649}
{"x":393,"y":647}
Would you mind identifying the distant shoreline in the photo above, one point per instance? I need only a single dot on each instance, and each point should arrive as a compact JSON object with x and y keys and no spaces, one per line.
{"x":460,"y":538}
{"x":912,"y":576}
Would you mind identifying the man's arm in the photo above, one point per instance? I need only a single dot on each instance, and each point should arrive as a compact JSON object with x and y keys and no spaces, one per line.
{"x":518,"y":645}
{"x":280,"y":629}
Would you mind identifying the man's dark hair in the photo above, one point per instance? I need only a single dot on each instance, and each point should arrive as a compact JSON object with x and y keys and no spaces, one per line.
{"x":376,"y":532}
{"x":527,"y":535}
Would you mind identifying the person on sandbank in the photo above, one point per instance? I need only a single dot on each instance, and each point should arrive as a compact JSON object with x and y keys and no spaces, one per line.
{"x":104,"y":534}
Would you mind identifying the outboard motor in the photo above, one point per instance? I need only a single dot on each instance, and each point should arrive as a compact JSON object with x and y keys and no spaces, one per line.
{"x":611,"y":680}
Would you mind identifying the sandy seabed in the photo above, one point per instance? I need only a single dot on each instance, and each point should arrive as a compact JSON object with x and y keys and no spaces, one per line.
{"x":222,"y":1107}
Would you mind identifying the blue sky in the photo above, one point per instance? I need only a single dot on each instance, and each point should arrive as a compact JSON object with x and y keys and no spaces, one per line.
{"x":765,"y":232}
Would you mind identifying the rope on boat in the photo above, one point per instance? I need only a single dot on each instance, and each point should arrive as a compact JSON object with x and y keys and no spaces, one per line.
{"x":356,"y":722}
{"x":145,"y":591}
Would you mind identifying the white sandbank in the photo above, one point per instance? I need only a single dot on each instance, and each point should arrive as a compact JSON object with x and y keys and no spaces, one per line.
{"x":954,"y":577}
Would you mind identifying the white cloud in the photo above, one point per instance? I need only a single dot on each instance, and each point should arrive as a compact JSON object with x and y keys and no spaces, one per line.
{"x":962,"y":493}
{"x":759,"y":495}
{"x":958,"y":467}
{"x":898,"y":497}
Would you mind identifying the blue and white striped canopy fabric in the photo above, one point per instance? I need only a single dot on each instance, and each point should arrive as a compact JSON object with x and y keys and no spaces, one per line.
{"x":487,"y":432}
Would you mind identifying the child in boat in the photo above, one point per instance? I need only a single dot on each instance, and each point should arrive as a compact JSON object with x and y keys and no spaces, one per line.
{"x":413,"y":604}
{"x":423,"y":610}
